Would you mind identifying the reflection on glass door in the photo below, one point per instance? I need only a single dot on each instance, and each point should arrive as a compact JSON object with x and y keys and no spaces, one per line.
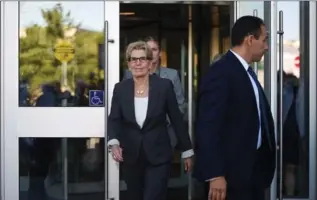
{"x":43,"y":26}
{"x":53,"y":61}
{"x":294,"y":108}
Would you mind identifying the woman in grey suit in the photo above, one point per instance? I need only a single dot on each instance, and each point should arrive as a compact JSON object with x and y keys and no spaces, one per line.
{"x":137,"y":130}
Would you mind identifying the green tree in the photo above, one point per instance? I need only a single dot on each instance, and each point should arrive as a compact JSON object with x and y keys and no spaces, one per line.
{"x":37,"y":63}
{"x":87,"y":53}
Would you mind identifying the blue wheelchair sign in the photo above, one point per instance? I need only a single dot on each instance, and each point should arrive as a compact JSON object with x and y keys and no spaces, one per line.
{"x":96,"y":98}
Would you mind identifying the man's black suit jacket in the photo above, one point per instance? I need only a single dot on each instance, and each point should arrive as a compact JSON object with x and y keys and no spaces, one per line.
{"x":227,"y":126}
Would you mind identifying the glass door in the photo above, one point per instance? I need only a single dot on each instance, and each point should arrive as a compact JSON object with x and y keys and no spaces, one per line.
{"x":291,"y":88}
{"x":295,"y":101}
{"x":54,"y":98}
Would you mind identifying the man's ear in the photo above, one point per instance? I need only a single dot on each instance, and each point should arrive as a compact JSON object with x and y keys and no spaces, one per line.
{"x":249,"y":40}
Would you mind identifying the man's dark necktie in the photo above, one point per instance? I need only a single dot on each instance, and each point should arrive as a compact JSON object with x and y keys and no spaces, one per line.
{"x":255,"y":78}
{"x":261,"y":101}
{"x":253,"y":75}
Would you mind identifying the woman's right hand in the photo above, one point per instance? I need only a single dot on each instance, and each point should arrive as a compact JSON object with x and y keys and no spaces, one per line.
{"x":116,"y":151}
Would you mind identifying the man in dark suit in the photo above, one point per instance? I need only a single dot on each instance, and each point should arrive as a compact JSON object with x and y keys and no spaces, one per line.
{"x":235,"y":130}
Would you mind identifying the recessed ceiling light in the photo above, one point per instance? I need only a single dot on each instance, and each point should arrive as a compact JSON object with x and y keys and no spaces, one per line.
{"x":127,"y":13}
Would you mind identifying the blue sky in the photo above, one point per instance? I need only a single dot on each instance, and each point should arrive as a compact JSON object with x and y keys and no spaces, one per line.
{"x":91,"y":14}
{"x":291,"y":19}
{"x":290,"y":12}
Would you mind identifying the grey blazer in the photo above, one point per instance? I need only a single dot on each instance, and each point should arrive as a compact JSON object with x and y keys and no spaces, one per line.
{"x":173,"y":76}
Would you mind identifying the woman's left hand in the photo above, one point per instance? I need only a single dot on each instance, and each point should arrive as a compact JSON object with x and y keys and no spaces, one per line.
{"x":188,"y":163}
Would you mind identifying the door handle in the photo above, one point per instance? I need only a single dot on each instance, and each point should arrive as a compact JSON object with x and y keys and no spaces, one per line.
{"x":280,"y":32}
{"x":255,"y":64}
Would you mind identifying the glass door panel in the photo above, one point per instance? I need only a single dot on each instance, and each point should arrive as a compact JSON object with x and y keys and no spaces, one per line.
{"x":288,"y":86}
{"x":296,"y":132}
{"x":53,"y":92}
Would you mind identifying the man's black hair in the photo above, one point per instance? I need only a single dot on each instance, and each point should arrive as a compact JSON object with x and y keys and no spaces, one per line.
{"x":245,"y":26}
{"x":151,"y":38}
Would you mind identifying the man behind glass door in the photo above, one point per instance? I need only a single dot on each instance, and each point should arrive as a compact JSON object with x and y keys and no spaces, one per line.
{"x":235,"y":130}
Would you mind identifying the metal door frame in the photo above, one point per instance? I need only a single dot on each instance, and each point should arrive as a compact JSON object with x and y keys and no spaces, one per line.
{"x":312,"y":99}
{"x":112,"y":17}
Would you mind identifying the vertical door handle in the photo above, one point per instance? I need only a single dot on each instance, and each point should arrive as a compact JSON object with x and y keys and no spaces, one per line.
{"x":255,"y":64}
{"x":280,"y":32}
{"x":110,"y":163}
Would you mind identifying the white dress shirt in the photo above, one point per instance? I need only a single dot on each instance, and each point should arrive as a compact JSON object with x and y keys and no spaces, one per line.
{"x":140,"y":107}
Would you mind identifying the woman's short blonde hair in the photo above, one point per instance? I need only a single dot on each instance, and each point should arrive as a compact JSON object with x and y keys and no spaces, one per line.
{"x":139,"y":45}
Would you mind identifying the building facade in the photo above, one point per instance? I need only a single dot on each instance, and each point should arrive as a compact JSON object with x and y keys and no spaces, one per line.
{"x":55,"y":96}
